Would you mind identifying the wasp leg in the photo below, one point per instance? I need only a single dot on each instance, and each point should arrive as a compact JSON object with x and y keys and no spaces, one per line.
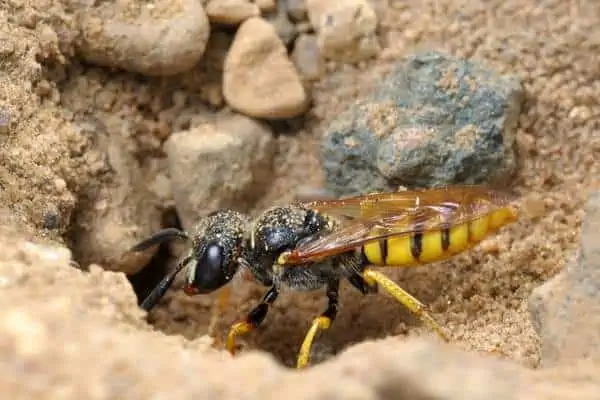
{"x":363,"y":286}
{"x":322,"y":322}
{"x":254,"y":318}
{"x":403,"y":297}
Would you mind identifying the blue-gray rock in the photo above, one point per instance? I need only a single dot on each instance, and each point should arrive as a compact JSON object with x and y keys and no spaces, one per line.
{"x":434,"y":120}
{"x":565,"y":311}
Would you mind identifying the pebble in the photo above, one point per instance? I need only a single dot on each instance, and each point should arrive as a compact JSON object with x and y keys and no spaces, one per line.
{"x":259,"y":80}
{"x":5,"y":121}
{"x":296,"y":9}
{"x":231,"y":12}
{"x":286,"y":30}
{"x":566,"y":309}
{"x":266,"y":5}
{"x":346,"y":29}
{"x":307,"y":57}
{"x":226,"y":164}
{"x":164,"y":40}
{"x":434,"y":120}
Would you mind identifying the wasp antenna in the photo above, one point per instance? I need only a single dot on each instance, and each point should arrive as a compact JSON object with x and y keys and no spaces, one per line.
{"x":160,"y":237}
{"x":159,"y":291}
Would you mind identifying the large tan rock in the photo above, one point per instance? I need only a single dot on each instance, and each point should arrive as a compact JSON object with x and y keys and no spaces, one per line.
{"x":162,"y":40}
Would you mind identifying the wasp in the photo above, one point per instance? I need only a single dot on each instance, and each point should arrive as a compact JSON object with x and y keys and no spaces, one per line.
{"x":311,"y":245}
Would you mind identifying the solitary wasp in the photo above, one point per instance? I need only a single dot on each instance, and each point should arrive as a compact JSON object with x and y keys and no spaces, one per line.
{"x":316,"y":244}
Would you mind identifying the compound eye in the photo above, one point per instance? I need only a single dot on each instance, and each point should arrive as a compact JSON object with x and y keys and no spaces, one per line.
{"x":214,"y":257}
{"x":209,"y":272}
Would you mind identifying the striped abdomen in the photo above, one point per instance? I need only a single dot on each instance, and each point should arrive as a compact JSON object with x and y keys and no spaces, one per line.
{"x":426,"y":247}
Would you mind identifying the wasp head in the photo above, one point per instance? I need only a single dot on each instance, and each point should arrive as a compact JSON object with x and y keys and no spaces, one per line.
{"x":217,"y":245}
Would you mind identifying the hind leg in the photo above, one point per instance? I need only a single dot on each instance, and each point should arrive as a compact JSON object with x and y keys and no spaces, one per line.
{"x":404,"y":298}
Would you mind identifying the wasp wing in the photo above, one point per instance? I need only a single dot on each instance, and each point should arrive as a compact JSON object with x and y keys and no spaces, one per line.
{"x":382,"y":215}
{"x":384,"y":204}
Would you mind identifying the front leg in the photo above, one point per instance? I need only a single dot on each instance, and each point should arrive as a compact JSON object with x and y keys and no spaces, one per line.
{"x":254,"y":318}
{"x":322,"y":322}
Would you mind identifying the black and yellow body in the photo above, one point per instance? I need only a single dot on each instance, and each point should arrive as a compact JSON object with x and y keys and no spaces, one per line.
{"x":420,"y":247}
{"x":316,"y":245}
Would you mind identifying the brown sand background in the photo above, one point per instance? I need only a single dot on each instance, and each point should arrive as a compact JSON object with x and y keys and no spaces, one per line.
{"x":479,"y":297}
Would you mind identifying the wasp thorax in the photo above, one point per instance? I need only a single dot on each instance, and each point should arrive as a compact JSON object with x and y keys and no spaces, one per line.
{"x":280,"y":229}
{"x":217,"y":244}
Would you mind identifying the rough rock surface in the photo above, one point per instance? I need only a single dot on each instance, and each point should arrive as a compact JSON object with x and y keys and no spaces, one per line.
{"x":168,"y":38}
{"x":259,"y":80}
{"x":43,"y":163}
{"x":231,"y":12}
{"x":266,"y":5}
{"x":225,"y":164}
{"x":116,"y":214}
{"x":434,"y":120}
{"x":307,"y":57}
{"x":284,"y":27}
{"x":296,"y":9}
{"x":346,"y":29}
{"x":566,"y":309}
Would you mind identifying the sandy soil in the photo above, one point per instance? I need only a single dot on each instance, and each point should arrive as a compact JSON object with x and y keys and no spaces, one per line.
{"x":480,"y":297}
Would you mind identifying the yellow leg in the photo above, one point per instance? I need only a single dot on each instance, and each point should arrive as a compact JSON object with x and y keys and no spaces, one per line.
{"x":403,"y":297}
{"x":255,"y":317}
{"x":322,"y":323}
{"x":240,"y":328}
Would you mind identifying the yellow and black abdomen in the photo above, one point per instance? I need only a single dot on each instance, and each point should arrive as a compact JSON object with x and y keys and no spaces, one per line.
{"x":422,"y":247}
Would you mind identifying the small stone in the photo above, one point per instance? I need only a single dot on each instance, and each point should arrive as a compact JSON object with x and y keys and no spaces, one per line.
{"x":4,"y":121}
{"x":161,"y":188}
{"x":533,"y":206}
{"x":525,"y":142}
{"x":231,"y":12}
{"x":259,"y":80}
{"x":580,"y":113}
{"x":307,"y":57}
{"x":565,"y":311}
{"x":296,"y":9}
{"x":227,"y":164}
{"x":51,"y":219}
{"x":285,"y":29}
{"x":304,"y":27}
{"x":60,"y":184}
{"x":434,"y":120}
{"x":266,"y":6}
{"x":346,"y":29}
